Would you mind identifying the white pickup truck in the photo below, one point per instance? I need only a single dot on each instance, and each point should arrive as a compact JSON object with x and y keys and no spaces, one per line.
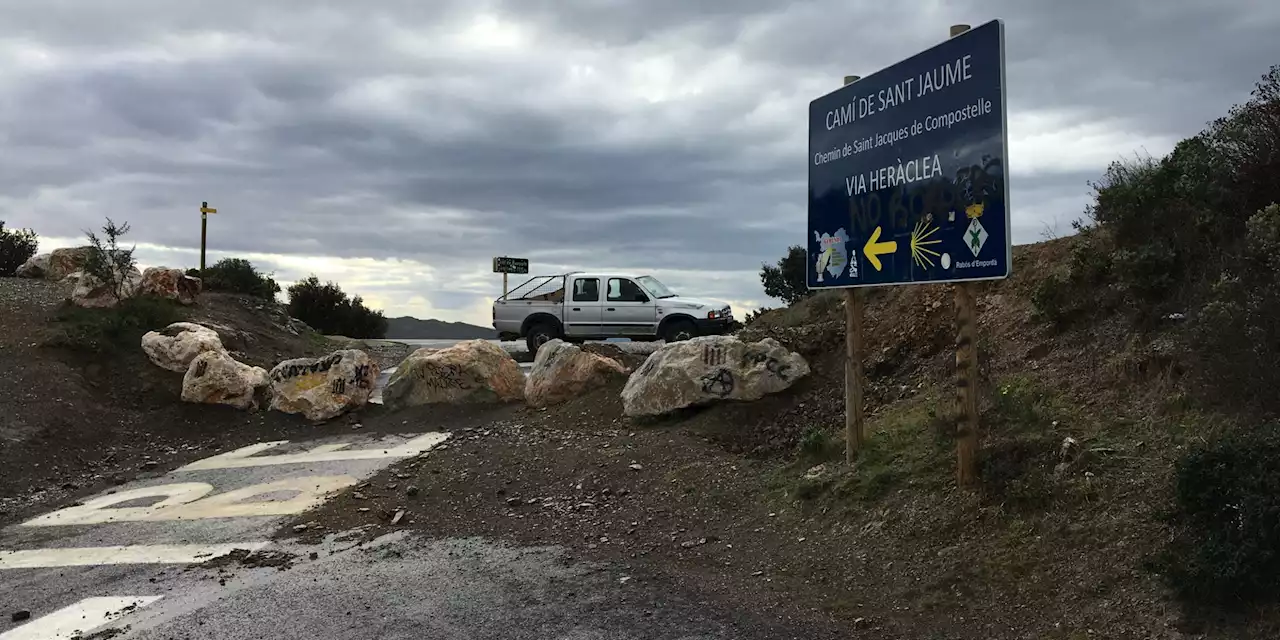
{"x":604,"y":305}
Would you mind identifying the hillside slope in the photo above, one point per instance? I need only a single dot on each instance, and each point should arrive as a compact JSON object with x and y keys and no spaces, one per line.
{"x":83,"y":405}
{"x":408,"y":328}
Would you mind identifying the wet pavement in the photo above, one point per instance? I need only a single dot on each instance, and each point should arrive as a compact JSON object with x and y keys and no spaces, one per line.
{"x":150,"y":559}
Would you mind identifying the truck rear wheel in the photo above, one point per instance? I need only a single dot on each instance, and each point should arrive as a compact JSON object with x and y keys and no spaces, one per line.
{"x":679,"y":330}
{"x":540,"y":334}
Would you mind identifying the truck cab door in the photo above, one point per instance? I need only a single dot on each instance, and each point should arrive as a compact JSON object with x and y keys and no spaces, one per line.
{"x":628,"y":310}
{"x":582,"y":308}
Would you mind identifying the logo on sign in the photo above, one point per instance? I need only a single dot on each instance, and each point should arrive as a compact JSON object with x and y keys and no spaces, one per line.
{"x":834,"y":255}
{"x":975,"y":235}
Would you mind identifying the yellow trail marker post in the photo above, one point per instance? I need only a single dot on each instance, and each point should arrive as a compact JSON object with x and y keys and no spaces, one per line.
{"x":204,"y":231}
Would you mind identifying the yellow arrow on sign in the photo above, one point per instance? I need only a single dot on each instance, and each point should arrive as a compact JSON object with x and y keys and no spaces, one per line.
{"x":207,"y":210}
{"x":873,"y":250}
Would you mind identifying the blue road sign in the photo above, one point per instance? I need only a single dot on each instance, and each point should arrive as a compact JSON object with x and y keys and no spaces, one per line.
{"x":907,"y":175}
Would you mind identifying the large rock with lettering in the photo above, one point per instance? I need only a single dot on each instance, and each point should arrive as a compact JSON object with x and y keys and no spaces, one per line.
{"x":177,"y":345}
{"x":93,"y":292}
{"x":468,"y":372}
{"x":323,"y":388}
{"x":562,"y":371}
{"x":171,"y":284}
{"x":710,"y":369}
{"x":214,"y":377}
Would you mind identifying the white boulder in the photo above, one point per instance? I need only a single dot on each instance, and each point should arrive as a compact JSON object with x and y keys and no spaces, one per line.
{"x":468,"y":372}
{"x":175,"y":346}
{"x":562,"y":371}
{"x":91,"y":292}
{"x":710,"y":369}
{"x":171,"y":284}
{"x":323,"y":388}
{"x":214,"y":377}
{"x":36,"y":266}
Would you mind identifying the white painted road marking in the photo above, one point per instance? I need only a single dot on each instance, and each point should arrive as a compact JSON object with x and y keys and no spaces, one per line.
{"x":136,"y":554}
{"x":324,"y":453}
{"x":78,"y":619}
{"x":182,"y":502}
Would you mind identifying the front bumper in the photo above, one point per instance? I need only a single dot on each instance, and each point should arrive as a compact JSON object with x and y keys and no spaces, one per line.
{"x":719,"y":326}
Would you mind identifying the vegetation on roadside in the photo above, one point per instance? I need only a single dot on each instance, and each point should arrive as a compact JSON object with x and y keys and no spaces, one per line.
{"x":237,"y":275}
{"x":1227,"y":519}
{"x":328,"y":309}
{"x":16,"y":247}
{"x":112,"y":330}
{"x":107,"y":262}
{"x":786,"y":280}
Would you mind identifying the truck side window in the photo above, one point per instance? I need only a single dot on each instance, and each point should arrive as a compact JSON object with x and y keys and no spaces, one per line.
{"x":586,"y":290}
{"x":621,"y":290}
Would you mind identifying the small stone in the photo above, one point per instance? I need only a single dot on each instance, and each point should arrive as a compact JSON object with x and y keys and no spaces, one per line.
{"x":399,"y":516}
{"x":514,"y":502}
{"x":635,"y":466}
{"x":313,"y":555}
{"x":300,"y":528}
{"x":357,"y":426}
{"x":411,"y":491}
{"x":757,"y":573}
{"x":150,"y":464}
{"x":363,"y":509}
{"x":624,"y":579}
{"x":773,"y":515}
{"x":688,"y":544}
{"x":358,"y":496}
{"x":19,"y":616}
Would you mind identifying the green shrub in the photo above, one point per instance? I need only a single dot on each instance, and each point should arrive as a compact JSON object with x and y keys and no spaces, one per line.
{"x":787,"y":281}
{"x":327,"y":309}
{"x":1228,"y":508}
{"x":107,"y":262}
{"x":114,"y":329}
{"x":16,"y":247}
{"x":1235,"y":335}
{"x":237,"y":275}
{"x":1053,"y":299}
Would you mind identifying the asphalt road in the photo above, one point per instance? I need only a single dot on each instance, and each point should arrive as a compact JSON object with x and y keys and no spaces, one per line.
{"x":159,"y":563}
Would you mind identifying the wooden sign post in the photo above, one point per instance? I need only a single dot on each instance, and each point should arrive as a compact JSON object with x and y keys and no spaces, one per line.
{"x":855,"y":427}
{"x":966,"y":370}
{"x":204,"y":230}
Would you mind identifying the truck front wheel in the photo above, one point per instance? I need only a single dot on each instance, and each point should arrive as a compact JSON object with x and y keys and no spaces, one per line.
{"x":540,"y":334}
{"x":679,"y":330}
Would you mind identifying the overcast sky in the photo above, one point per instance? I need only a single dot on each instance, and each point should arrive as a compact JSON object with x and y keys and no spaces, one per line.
{"x":395,"y":146}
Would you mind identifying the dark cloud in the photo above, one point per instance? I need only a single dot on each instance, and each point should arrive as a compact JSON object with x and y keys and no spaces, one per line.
{"x":661,"y":135}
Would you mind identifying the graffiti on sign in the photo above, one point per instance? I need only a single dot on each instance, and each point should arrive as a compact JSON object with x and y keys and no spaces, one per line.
{"x":338,"y":386}
{"x":202,"y":367}
{"x":719,"y":384}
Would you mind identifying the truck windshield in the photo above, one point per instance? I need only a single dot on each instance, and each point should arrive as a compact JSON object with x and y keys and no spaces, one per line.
{"x":658,"y":289}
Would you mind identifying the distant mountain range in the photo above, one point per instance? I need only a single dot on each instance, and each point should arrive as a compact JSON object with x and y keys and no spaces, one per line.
{"x":407,"y":328}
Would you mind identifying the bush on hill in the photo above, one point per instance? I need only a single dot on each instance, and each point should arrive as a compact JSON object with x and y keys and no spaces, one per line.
{"x":786,"y":280}
{"x":16,"y":247}
{"x":237,"y":275}
{"x":1193,"y":234}
{"x":327,"y":309}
